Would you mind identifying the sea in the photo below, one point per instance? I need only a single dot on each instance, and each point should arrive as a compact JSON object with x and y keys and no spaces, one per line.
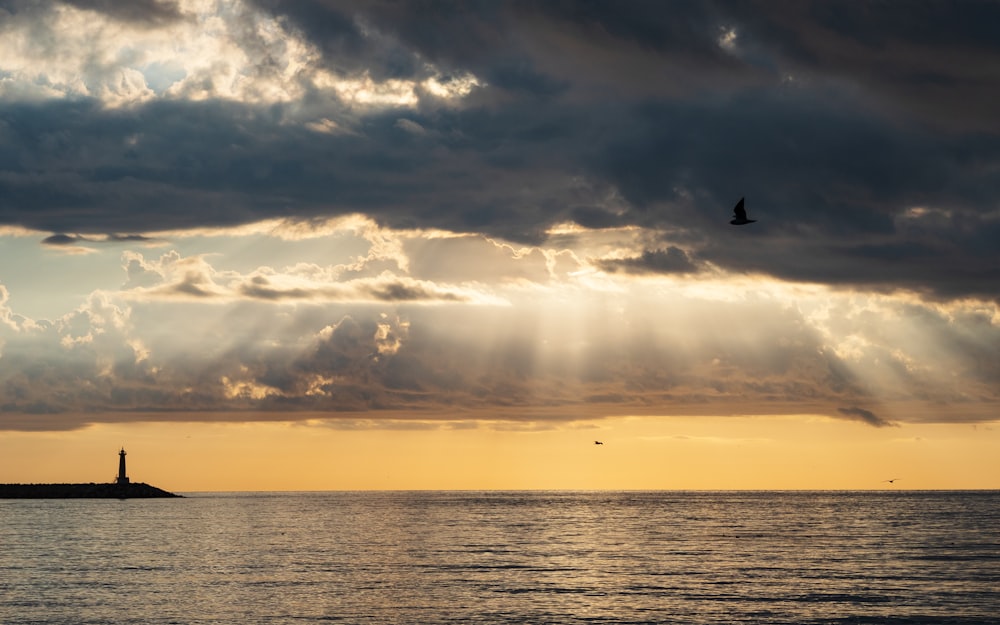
{"x":887,"y":557}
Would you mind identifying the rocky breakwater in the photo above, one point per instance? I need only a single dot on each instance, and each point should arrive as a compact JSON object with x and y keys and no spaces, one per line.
{"x":134,"y":490}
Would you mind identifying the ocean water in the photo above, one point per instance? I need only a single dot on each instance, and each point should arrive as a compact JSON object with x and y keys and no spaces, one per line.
{"x":504,"y":557}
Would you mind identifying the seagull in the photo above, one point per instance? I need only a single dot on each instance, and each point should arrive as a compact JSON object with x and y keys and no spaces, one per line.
{"x":892,"y":480}
{"x":740,"y":215}
{"x":598,"y":443}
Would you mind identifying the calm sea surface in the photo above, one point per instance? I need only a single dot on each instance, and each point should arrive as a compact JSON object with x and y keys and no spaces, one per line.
{"x":504,"y":557}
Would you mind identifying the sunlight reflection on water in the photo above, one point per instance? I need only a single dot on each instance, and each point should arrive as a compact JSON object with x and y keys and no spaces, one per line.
{"x":519,"y":557}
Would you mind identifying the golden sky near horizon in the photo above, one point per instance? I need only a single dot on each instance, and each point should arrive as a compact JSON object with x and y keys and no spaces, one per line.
{"x":760,"y":452}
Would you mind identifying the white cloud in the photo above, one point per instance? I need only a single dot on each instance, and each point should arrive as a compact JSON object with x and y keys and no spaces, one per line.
{"x":221,"y":49}
{"x":727,"y":38}
{"x":452,"y":87}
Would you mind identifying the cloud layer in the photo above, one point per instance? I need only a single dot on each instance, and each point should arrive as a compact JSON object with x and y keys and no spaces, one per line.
{"x":539,"y":335}
{"x":862,"y":139}
{"x":493,"y":164}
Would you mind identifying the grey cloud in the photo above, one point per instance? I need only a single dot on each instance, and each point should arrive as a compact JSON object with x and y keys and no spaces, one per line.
{"x":17,"y":12}
{"x":830,"y":188}
{"x":410,"y":126}
{"x":399,"y":292}
{"x":193,"y":284}
{"x":129,"y":238}
{"x":260,"y":287}
{"x":60,"y":239}
{"x":669,"y":260}
{"x":935,"y":61}
{"x":381,"y":290}
{"x":349,"y":44}
{"x":533,"y":49}
{"x":140,"y":12}
{"x":867,"y":416}
{"x":181,"y":177}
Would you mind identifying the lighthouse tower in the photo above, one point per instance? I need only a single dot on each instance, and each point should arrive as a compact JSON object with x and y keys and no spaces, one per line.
{"x":122,"y":478}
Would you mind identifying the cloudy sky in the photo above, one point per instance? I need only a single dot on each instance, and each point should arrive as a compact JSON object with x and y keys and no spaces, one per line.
{"x":449,"y":244}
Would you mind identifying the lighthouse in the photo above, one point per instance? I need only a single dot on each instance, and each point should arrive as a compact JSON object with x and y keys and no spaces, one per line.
{"x":122,"y":478}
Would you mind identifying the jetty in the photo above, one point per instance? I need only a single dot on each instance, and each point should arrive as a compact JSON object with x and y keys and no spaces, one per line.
{"x":121,"y":488}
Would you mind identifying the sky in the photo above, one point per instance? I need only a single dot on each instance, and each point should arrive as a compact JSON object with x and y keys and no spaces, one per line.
{"x":315,"y":245}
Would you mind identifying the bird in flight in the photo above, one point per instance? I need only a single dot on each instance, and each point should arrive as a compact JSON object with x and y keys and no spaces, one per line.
{"x":892,"y":480}
{"x":740,"y":215}
{"x":598,"y":442}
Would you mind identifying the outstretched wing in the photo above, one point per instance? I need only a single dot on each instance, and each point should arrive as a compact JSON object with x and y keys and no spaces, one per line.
{"x":739,"y":210}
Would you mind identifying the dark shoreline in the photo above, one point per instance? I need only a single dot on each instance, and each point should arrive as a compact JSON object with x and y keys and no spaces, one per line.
{"x":82,"y":491}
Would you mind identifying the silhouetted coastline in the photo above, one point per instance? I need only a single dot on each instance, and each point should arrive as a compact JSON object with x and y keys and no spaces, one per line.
{"x":133,"y":490}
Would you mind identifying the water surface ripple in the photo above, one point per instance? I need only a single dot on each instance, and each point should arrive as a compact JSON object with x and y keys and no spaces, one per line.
{"x":504,"y":557}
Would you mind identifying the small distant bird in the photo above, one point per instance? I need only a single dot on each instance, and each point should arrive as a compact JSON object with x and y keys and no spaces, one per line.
{"x":892,"y":480}
{"x":598,"y":443}
{"x":740,"y":215}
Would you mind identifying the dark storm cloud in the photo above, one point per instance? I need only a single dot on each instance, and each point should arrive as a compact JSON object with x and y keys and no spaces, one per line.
{"x":532,"y":49}
{"x":933,"y":60}
{"x":835,"y":121}
{"x":936,"y":60}
{"x":225,"y":164}
{"x":337,"y":29}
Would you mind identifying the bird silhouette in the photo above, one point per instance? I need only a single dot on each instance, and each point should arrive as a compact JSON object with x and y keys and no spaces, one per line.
{"x":892,"y":480}
{"x":598,"y":443}
{"x":740,"y":215}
